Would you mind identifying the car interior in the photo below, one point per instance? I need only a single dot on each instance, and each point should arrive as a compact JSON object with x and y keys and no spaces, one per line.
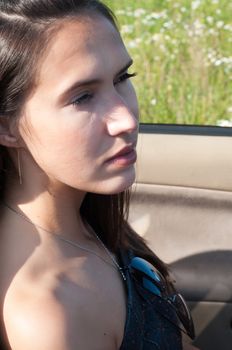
{"x":182,"y":206}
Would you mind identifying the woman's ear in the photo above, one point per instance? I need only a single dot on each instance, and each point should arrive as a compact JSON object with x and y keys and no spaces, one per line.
{"x":6,"y":137}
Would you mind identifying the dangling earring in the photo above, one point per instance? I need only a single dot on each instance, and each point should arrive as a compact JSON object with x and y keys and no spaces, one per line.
{"x":19,"y":168}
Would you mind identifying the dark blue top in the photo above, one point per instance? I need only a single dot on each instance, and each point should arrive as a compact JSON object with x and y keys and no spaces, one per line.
{"x":148,"y":325}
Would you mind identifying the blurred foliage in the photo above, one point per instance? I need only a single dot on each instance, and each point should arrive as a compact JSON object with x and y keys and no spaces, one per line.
{"x":183,"y":55}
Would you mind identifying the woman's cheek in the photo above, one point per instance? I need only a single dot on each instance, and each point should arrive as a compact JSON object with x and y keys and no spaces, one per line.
{"x":77,"y":118}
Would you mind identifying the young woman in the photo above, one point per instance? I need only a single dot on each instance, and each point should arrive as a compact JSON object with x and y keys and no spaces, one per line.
{"x":72,"y":277}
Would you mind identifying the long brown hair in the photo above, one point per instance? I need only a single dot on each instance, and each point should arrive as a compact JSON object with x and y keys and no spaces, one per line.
{"x":25,"y":29}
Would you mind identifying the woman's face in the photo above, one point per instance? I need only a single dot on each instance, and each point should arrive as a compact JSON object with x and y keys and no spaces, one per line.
{"x":84,"y":109}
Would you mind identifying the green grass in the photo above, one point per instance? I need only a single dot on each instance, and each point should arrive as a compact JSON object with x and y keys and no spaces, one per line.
{"x":183,"y":56}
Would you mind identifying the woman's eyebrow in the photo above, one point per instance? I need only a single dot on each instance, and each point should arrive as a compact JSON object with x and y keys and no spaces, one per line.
{"x":80,"y":83}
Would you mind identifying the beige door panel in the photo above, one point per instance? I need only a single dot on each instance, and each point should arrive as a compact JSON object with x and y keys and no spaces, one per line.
{"x":182,"y":221}
{"x":182,"y":206}
{"x":185,"y":160}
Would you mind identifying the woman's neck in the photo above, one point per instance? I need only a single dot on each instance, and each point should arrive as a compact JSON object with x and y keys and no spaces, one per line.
{"x":56,"y":209}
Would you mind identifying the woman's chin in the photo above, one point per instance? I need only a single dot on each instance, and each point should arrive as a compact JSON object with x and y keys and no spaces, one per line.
{"x":107,"y":185}
{"x":119,"y":184}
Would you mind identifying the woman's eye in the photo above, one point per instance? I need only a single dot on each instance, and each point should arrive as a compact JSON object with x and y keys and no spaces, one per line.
{"x":124,"y":77}
{"x":82,"y":99}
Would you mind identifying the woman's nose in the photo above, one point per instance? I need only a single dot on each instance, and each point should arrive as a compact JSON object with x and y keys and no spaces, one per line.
{"x":121,"y":120}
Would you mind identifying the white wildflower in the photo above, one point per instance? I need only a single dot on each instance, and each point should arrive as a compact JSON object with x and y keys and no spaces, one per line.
{"x":195,"y":4}
{"x":227,"y":60}
{"x":156,"y":15}
{"x":212,"y":31}
{"x":127,"y":29}
{"x":147,"y":22}
{"x":224,"y":122}
{"x":209,"y":19}
{"x":153,"y":102}
{"x":218,"y":62}
{"x":168,"y":25}
{"x":228,"y":27}
{"x":139,"y":12}
{"x":156,"y":37}
{"x":229,"y":110}
{"x":212,"y":53}
{"x":198,"y":27}
{"x":134,"y":43}
{"x":220,"y":24}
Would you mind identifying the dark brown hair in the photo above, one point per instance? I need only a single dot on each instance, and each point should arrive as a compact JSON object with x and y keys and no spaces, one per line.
{"x":25,"y":29}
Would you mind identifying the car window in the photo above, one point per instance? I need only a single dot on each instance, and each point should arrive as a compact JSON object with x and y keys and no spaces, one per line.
{"x":183,"y":55}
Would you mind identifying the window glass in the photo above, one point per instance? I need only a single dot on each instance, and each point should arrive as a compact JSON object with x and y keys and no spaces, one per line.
{"x":183,"y":55}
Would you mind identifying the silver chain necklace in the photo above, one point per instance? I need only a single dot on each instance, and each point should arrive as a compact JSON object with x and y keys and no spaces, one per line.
{"x":74,"y":244}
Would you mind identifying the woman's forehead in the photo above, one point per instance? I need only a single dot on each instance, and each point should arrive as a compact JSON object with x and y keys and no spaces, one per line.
{"x":81,"y":37}
{"x":83,"y":45}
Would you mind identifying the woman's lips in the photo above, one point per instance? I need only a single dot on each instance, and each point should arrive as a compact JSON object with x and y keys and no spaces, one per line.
{"x":124,"y":158}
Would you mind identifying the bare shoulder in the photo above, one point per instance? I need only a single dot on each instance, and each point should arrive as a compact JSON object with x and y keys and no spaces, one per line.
{"x":56,"y":313}
{"x":37,"y":321}
{"x":51,"y":317}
